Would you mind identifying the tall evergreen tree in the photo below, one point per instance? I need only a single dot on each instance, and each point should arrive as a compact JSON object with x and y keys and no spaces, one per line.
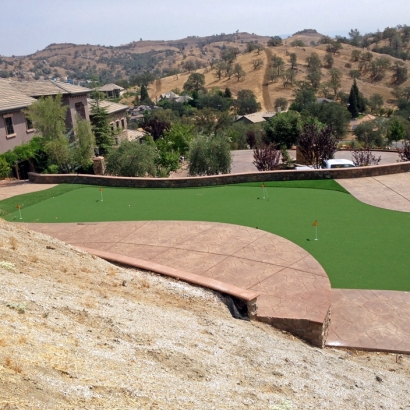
{"x":144,"y":99}
{"x":354,"y":100}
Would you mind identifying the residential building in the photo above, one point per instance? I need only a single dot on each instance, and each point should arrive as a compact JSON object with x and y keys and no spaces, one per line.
{"x":255,"y":117}
{"x":111,"y":90}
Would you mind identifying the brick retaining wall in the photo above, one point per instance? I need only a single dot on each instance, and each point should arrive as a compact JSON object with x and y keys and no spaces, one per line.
{"x":285,"y":175}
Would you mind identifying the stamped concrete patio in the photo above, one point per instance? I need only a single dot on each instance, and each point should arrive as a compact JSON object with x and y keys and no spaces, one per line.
{"x":292,"y":289}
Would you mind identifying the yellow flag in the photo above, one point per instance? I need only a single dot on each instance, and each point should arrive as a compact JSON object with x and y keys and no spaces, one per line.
{"x":314,"y":223}
{"x":100,"y":189}
{"x":263,"y":185}
{"x":18,"y":206}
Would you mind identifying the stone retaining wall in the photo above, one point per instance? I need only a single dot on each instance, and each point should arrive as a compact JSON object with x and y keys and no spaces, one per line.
{"x":286,"y":175}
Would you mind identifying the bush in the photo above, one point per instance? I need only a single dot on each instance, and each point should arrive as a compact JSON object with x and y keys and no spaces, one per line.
{"x":4,"y":169}
{"x":209,"y":156}
{"x":132,"y":159}
{"x":266,"y":158}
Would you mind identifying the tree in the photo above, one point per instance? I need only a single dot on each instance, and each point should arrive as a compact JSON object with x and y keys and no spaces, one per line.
{"x":219,"y":69}
{"x":289,"y":77}
{"x":84,"y":143}
{"x":100,"y":127}
{"x":227,"y":93}
{"x":274,"y":41}
{"x":179,"y":136}
{"x":304,"y":95}
{"x":317,"y":143}
{"x":328,"y":60}
{"x":335,"y":79}
{"x":355,"y":56}
{"x":293,"y":60}
{"x":246,"y":102}
{"x":283,"y":128}
{"x":370,"y":133}
{"x":195,"y":82}
{"x":132,"y":159}
{"x":238,"y":71}
{"x":48,"y":118}
{"x":212,"y":122}
{"x":355,"y":74}
{"x":396,"y":130}
{"x":144,"y":97}
{"x":281,"y":103}
{"x":399,"y":73}
{"x":209,"y":156}
{"x":266,"y":158}
{"x":278,"y":64}
{"x":334,"y":48}
{"x":404,"y":152}
{"x":375,"y":102}
{"x":356,"y":103}
{"x":378,"y":68}
{"x":156,"y":124}
{"x":332,"y":114}
{"x":257,"y":63}
{"x":314,"y":72}
{"x":355,"y":37}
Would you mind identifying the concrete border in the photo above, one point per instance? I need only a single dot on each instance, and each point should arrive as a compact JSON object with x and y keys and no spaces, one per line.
{"x":285,"y":175}
{"x":246,"y":295}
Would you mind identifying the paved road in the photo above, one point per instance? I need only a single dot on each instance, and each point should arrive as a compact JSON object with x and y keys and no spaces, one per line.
{"x":242,"y":159}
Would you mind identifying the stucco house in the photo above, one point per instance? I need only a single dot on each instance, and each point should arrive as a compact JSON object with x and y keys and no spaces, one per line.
{"x":15,"y":128}
{"x":16,"y":96}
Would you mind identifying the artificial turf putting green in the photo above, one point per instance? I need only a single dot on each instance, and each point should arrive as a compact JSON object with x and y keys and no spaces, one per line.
{"x":359,"y":246}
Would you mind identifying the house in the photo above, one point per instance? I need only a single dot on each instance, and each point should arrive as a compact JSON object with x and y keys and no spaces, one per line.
{"x":15,"y":128}
{"x":255,"y":117}
{"x":74,"y":96}
{"x":171,"y":96}
{"x":117,"y":117}
{"x":111,"y":90}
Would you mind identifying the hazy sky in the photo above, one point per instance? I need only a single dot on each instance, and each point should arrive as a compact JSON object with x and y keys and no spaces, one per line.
{"x":30,"y":25}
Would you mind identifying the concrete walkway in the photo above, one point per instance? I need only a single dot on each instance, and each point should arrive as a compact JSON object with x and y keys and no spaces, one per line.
{"x":10,"y":188}
{"x":386,"y":191}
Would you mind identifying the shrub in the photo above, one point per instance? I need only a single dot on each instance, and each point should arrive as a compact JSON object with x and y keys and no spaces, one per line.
{"x":266,"y":158}
{"x":209,"y":156}
{"x":132,"y":159}
{"x":4,"y":169}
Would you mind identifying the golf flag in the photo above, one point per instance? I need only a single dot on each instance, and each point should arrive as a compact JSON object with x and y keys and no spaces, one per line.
{"x":263,"y":185}
{"x":314,"y":223}
{"x":19,"y":208}
{"x":100,"y":189}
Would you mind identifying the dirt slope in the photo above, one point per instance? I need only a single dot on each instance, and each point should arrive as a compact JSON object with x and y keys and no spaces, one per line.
{"x":77,"y":332}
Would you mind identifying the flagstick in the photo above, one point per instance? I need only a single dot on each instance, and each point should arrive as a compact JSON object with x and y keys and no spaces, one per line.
{"x":266,"y":192}
{"x":18,"y":206}
{"x":101,"y":195}
{"x":316,"y":234}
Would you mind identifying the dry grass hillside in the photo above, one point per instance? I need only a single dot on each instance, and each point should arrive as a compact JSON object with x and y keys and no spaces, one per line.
{"x":80,"y":333}
{"x":267,"y":92}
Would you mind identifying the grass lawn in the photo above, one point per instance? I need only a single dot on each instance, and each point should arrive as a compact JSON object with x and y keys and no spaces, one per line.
{"x":359,"y":246}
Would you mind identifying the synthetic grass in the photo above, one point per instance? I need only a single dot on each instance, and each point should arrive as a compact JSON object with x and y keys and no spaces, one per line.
{"x":359,"y":246}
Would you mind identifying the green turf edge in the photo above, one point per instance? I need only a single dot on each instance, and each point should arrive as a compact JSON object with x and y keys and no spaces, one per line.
{"x":9,"y":205}
{"x":328,"y":184}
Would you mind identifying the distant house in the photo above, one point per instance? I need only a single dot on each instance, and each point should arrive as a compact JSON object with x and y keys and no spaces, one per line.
{"x":15,"y":96}
{"x":111,"y":90}
{"x":117,"y":117}
{"x":171,"y":96}
{"x":255,"y":117}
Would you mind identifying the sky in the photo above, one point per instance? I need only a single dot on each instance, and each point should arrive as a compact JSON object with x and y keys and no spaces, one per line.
{"x":31,"y":25}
